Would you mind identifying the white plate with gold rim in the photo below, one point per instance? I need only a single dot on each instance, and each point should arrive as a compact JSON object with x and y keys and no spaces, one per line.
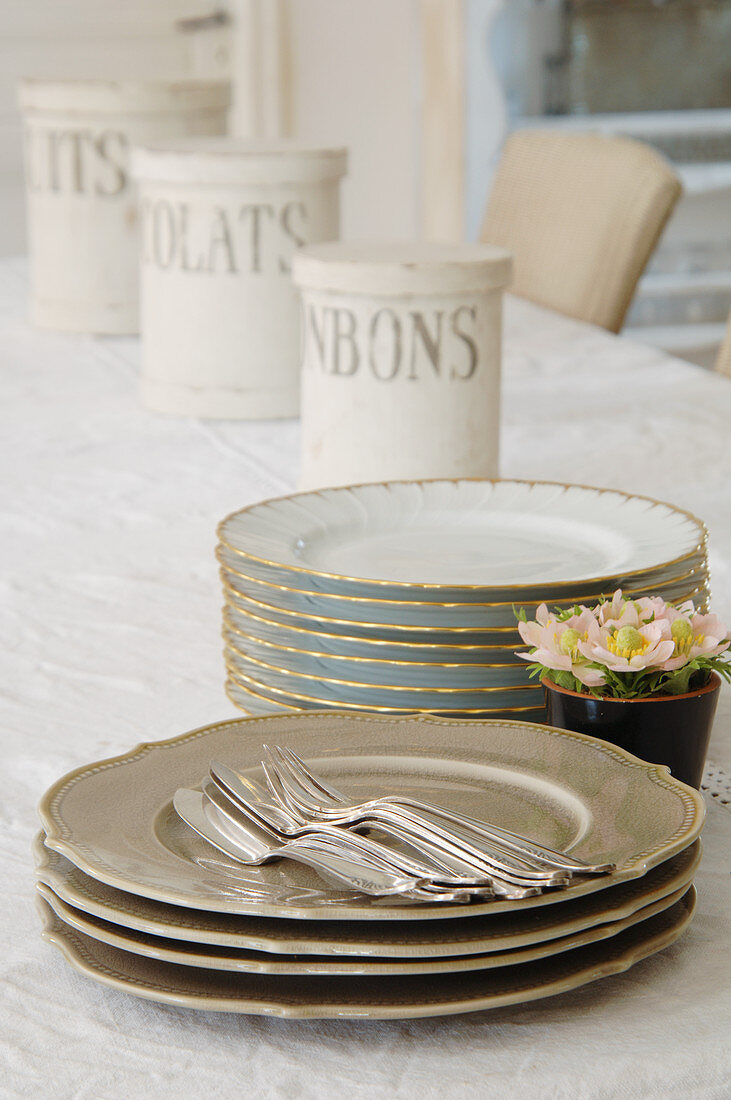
{"x":688,"y":570}
{"x":315,"y":996}
{"x":401,"y":673}
{"x":467,"y":536}
{"x":388,"y":674}
{"x":397,"y":632}
{"x":401,"y":633}
{"x":255,"y":704}
{"x":331,"y":691}
{"x":115,"y":819}
{"x":472,"y":616}
{"x":351,"y":942}
{"x":373,"y":649}
{"x":693,"y":565}
{"x":258,"y":699}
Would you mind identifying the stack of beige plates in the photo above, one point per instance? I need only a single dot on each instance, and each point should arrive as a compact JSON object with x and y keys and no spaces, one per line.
{"x":400,"y":597}
{"x":136,"y":900}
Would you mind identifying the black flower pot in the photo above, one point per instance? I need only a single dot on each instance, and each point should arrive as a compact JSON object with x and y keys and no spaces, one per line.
{"x":663,"y":729}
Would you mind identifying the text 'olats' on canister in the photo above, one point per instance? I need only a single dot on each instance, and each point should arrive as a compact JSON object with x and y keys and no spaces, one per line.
{"x":221,"y":221}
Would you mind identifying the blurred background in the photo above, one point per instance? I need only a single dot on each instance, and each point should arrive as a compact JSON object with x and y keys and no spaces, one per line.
{"x":423,"y":92}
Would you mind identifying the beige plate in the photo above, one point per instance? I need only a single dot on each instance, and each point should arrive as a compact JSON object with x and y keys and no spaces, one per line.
{"x":266,"y":945}
{"x":115,"y":819}
{"x":384,"y":939}
{"x":247,"y":962}
{"x":373,"y":997}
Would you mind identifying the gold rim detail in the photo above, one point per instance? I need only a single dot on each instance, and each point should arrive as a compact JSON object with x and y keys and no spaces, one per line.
{"x":701,"y":573}
{"x":699,"y":547}
{"x":242,"y":683}
{"x":351,"y":637}
{"x":367,"y":660}
{"x":448,"y":692}
{"x":317,"y":618}
{"x":487,"y":630}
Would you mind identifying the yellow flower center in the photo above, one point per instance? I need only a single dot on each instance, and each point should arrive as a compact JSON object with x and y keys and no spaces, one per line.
{"x":682,"y":634}
{"x":569,"y":641}
{"x":681,"y":630}
{"x":627,"y":643}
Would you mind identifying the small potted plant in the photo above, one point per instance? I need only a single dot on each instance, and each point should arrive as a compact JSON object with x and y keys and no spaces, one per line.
{"x":643,"y":674}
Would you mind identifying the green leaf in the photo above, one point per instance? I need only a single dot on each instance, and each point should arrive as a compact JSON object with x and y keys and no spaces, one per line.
{"x":566,"y":613}
{"x":562,"y":678}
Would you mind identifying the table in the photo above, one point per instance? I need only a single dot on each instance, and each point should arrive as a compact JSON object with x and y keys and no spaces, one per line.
{"x":111,"y":635}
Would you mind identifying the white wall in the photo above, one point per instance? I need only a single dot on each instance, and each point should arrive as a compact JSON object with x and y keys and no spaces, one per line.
{"x":89,"y":38}
{"x":507,"y":43}
{"x":344,"y":72}
{"x":355,"y":71}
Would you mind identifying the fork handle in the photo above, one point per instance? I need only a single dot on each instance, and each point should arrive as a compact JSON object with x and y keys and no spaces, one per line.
{"x":509,"y":878}
{"x":498,"y":836}
{"x":337,"y":868}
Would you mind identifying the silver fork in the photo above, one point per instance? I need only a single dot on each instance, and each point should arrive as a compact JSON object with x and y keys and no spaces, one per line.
{"x":252,"y":847}
{"x":481,"y":840}
{"x":240,"y":804}
{"x":445,"y":863}
{"x":509,"y":874}
{"x":507,"y":880}
{"x":370,"y":852}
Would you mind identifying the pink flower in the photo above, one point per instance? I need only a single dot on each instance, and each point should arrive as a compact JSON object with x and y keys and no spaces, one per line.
{"x":712,"y":630}
{"x":619,"y":612}
{"x":630,"y":647}
{"x":592,"y":677}
{"x":556,"y":643}
{"x":644,"y":642}
{"x":694,"y":635}
{"x":544,"y":636}
{"x":651,"y":608}
{"x":611,"y":609}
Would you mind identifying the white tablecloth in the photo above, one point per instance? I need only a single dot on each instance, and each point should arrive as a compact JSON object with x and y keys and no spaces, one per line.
{"x":111,"y":620}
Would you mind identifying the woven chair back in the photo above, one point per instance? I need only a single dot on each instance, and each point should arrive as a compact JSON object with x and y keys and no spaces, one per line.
{"x":582,"y":214}
{"x":723,"y":360}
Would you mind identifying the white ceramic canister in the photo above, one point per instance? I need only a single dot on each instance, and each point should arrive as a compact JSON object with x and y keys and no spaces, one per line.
{"x":82,"y":216}
{"x":220,"y":315}
{"x":400,"y":361}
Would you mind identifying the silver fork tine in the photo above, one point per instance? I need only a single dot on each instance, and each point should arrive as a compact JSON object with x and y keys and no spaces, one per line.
{"x":279,"y":791}
{"x":527,"y":849}
{"x":298,"y":791}
{"x":508,"y":872}
{"x":307,"y":778}
{"x":371,"y":853}
{"x":307,"y":791}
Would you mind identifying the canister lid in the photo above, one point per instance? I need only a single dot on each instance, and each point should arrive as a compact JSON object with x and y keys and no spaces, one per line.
{"x":201,"y":160}
{"x":392,"y":268}
{"x":123,"y":96}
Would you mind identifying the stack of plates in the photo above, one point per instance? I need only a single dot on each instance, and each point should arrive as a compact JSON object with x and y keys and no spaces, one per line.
{"x":136,"y":900}
{"x":399,"y":597}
